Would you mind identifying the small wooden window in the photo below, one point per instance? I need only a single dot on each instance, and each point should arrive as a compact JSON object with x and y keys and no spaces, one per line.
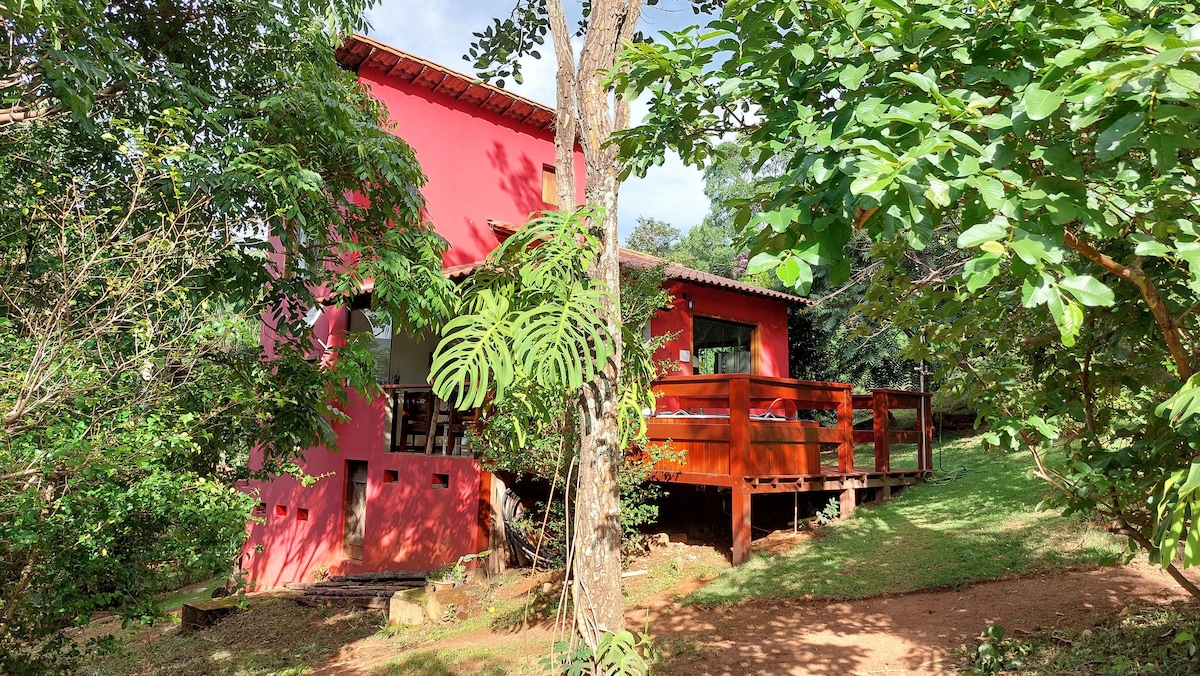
{"x":391,"y":476}
{"x":549,"y":185}
{"x":441,"y":481}
{"x":280,"y":510}
{"x":301,"y":514}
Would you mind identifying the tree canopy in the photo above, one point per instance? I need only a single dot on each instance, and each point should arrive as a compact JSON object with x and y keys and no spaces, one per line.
{"x":1053,"y":143}
{"x":168,"y":174}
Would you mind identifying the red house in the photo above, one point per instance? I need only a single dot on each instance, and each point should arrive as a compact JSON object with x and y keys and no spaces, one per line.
{"x":404,"y":493}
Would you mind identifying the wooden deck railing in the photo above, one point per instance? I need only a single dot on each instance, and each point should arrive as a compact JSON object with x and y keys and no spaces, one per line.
{"x":416,"y":421}
{"x":740,"y":425}
{"x":881,"y":403}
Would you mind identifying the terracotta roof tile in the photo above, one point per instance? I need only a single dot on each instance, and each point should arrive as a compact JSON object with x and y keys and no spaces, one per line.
{"x":359,"y":51}
{"x":637,"y":259}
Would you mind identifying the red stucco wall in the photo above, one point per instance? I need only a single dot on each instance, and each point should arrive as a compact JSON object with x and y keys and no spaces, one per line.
{"x":769,"y":315}
{"x":480,"y":165}
{"x":409,"y":524}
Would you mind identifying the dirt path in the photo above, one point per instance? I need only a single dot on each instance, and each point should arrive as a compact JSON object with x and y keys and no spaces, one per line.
{"x":908,"y":634}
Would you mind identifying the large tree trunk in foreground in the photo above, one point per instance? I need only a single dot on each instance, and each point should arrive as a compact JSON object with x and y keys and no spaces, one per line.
{"x":596,"y":563}
{"x":596,"y":567}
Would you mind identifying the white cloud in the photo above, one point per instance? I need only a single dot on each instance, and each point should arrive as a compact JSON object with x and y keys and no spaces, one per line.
{"x":441,"y":32}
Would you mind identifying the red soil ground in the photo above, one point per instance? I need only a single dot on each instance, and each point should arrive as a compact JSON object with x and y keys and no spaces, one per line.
{"x":909,"y":634}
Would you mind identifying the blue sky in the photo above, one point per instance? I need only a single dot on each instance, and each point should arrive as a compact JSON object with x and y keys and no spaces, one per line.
{"x":440,"y":30}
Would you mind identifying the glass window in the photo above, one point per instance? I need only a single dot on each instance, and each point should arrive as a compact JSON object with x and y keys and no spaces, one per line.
{"x":379,"y":325}
{"x":719,"y":346}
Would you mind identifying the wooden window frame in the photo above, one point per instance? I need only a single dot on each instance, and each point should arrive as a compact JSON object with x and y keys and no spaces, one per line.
{"x":755,"y":337}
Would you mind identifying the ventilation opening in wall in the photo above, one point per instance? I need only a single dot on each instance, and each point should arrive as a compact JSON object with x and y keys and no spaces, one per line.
{"x":280,"y":510}
{"x":391,"y":476}
{"x":549,"y":185}
{"x":301,"y":514}
{"x":441,"y":481}
{"x":260,"y":509}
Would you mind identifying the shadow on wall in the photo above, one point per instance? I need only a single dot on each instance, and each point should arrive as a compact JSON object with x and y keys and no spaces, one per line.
{"x":520,"y":179}
{"x":422,"y":512}
{"x":286,"y":548}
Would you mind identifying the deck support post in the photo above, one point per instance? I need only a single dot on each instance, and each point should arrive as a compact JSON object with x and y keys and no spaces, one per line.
{"x":845,"y":417}
{"x":879,"y":414}
{"x":740,"y":513}
{"x":925,"y":424}
{"x":846,"y":500}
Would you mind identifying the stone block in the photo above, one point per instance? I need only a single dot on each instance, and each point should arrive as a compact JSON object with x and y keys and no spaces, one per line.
{"x":402,"y":611}
{"x":200,"y":614}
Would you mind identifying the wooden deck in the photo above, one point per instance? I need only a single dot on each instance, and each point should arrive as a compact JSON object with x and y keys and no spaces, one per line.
{"x":751,"y":434}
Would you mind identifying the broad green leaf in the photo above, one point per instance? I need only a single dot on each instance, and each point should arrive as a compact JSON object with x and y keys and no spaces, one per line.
{"x":851,"y":77}
{"x":938,"y":192}
{"x":761,"y":263}
{"x":803,"y":53}
{"x":1186,"y":78}
{"x":1029,"y":249}
{"x":1041,"y":103}
{"x":979,"y":272}
{"x":1148,"y":246}
{"x":996,"y":121}
{"x":1193,"y":478}
{"x":1183,"y":405}
{"x":1119,"y":136}
{"x":1088,"y":290}
{"x":990,"y":189}
{"x":995,"y":229}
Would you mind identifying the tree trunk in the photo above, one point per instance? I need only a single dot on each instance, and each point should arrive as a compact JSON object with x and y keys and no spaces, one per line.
{"x":596,"y":562}
{"x":596,"y":566}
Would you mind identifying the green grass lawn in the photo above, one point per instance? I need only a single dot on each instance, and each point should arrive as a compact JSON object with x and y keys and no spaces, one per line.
{"x":982,"y":526}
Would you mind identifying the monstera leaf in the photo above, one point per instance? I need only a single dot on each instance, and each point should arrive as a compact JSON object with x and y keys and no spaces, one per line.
{"x":561,"y":344}
{"x":530,"y":309}
{"x":475,"y":355}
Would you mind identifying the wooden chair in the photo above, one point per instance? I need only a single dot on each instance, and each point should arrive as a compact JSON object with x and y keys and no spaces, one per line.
{"x":418,"y":419}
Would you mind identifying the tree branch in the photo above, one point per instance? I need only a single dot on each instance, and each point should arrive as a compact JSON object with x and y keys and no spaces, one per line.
{"x":1136,"y":276}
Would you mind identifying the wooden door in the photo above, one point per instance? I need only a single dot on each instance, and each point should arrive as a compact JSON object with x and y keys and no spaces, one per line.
{"x":354,"y":519}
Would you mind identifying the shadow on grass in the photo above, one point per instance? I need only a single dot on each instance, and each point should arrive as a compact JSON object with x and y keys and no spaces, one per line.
{"x":870,"y":636}
{"x":276,"y":636}
{"x":438,"y":663}
{"x":983,"y":526}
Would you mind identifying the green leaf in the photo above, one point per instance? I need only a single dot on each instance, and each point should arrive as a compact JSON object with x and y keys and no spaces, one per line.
{"x":851,"y":77}
{"x":1119,"y":136}
{"x":990,"y":189}
{"x":979,"y":272}
{"x":1148,"y":246}
{"x":996,"y":121}
{"x":995,"y":229}
{"x":761,"y":263}
{"x":1186,"y":78}
{"x":1087,"y":290}
{"x":938,"y":192}
{"x":1041,"y":103}
{"x":1031,"y":250}
{"x":803,"y":53}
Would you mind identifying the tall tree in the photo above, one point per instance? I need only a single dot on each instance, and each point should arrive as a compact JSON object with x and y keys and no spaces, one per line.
{"x":168,"y":173}
{"x":587,"y":114}
{"x":652,"y":236}
{"x":1055,"y":143}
